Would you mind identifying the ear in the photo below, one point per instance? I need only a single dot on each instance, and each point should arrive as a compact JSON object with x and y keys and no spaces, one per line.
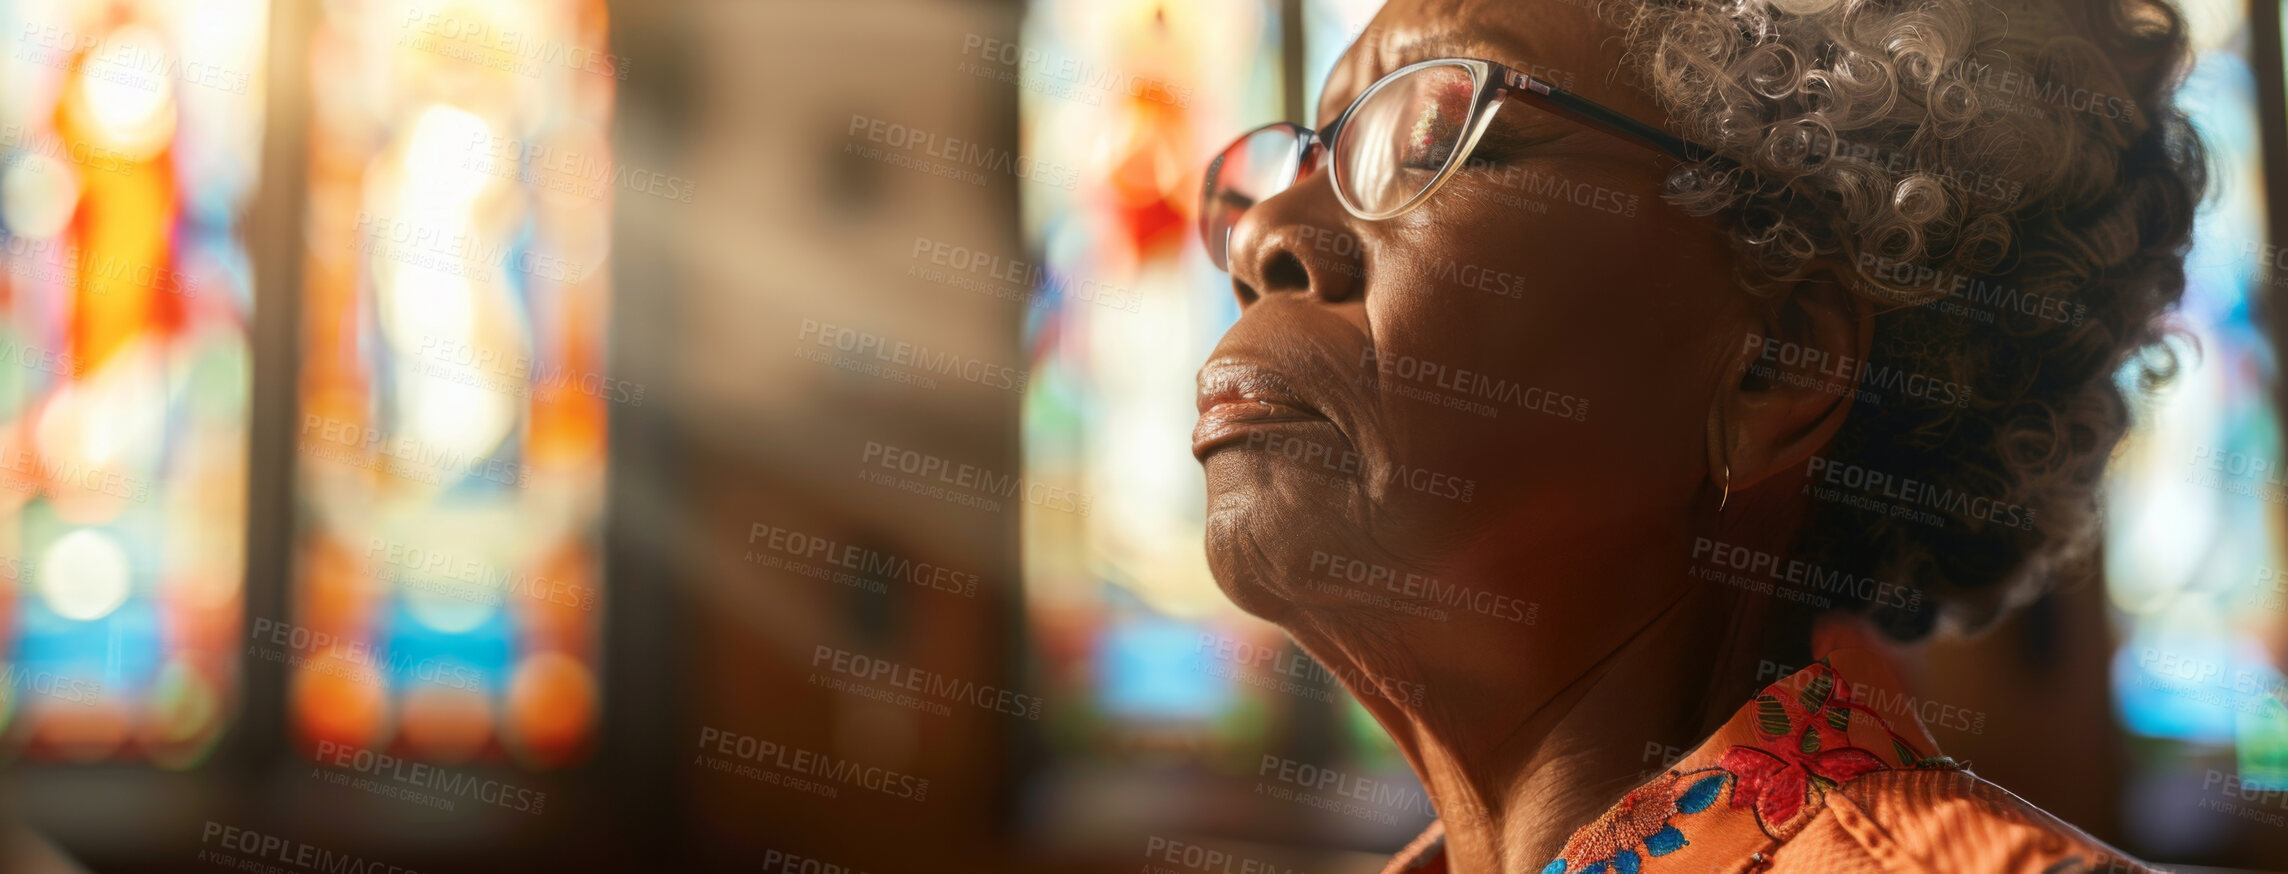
{"x":1792,"y":380}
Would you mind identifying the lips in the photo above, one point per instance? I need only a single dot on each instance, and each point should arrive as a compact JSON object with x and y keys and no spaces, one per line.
{"x":1239,"y":397}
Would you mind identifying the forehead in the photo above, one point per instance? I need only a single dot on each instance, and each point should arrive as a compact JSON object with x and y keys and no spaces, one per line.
{"x":1560,"y":40}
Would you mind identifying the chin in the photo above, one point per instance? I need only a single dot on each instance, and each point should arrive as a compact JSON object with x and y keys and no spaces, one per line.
{"x":1249,"y":586}
{"x":1239,"y":558}
{"x":1260,"y":535}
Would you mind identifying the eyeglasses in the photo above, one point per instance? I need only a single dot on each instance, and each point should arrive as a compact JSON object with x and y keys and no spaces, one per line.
{"x":1396,"y":144}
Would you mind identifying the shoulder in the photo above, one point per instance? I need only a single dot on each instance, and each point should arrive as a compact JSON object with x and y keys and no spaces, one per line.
{"x":1951,"y":820}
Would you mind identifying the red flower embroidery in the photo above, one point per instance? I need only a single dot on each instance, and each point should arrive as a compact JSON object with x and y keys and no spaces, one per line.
{"x":1806,"y":749}
{"x":1778,"y":787}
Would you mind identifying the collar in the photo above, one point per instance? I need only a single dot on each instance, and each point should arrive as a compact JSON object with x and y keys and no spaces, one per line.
{"x":1753,"y":784}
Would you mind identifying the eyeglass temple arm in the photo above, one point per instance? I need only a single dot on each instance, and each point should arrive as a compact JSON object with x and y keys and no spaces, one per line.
{"x":1590,"y":112}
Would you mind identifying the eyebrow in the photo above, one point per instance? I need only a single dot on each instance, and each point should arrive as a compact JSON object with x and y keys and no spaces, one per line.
{"x":1391,"y":56}
{"x":1387,"y":56}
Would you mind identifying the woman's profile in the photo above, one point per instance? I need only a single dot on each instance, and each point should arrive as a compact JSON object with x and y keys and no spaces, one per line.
{"x":1766,"y":337}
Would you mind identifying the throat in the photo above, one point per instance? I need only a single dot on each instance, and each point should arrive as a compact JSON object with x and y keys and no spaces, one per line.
{"x":1574,"y":743}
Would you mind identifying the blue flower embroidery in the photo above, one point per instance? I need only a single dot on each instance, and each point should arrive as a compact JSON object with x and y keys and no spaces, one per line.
{"x":1623,"y":857}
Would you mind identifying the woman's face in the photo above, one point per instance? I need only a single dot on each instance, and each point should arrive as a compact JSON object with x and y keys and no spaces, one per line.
{"x":1518,"y":370}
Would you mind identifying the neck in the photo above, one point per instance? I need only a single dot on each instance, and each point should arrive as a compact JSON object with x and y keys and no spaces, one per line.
{"x":1614,"y":727}
{"x":1523,"y":738}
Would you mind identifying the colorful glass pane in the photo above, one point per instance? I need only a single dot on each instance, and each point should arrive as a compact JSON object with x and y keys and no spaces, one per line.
{"x":451,"y":472}
{"x":129,"y":149}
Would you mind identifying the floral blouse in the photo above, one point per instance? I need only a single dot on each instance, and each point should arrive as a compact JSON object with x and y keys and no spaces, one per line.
{"x":1810,"y":777}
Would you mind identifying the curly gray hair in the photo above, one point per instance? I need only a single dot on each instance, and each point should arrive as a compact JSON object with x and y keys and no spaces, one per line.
{"x":2023,"y":156}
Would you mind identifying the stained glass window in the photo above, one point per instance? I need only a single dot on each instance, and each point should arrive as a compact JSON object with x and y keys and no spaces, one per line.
{"x":450,"y":472}
{"x":129,"y":148}
{"x":1139,"y":646}
{"x":2194,"y":562}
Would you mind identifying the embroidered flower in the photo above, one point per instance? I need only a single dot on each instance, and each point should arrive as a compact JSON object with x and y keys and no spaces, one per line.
{"x":1805,"y":750}
{"x":1639,"y":826}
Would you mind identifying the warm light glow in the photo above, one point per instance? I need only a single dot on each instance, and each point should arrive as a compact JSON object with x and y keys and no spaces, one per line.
{"x":446,"y":724}
{"x":428,"y":301}
{"x":84,"y":575}
{"x":131,"y":103}
{"x":84,"y":734}
{"x":438,"y":182}
{"x":96,"y":421}
{"x":551,"y":699}
{"x":341,"y":701}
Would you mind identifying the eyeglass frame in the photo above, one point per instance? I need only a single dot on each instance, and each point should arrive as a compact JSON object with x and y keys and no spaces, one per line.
{"x":1494,"y":82}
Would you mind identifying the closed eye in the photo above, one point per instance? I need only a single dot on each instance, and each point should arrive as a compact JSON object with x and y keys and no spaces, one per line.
{"x":1517,"y":133}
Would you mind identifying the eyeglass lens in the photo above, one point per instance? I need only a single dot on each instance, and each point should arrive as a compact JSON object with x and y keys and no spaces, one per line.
{"x":1399,"y":139}
{"x":1252,"y":169}
{"x":1392,"y":147}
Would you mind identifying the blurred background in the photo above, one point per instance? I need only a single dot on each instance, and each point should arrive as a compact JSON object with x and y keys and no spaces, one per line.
{"x":479,"y":435}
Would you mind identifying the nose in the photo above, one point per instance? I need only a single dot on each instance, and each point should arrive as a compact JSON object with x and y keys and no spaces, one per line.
{"x":1300,"y":241}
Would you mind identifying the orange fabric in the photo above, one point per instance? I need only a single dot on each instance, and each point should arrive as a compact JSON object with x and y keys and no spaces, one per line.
{"x":1822,"y":773}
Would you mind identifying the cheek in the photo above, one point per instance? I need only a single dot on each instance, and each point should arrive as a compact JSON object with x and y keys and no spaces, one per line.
{"x":1478,"y":394}
{"x":1575,"y":381}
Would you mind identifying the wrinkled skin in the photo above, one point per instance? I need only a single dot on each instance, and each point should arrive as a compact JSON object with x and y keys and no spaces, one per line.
{"x":1626,"y":338}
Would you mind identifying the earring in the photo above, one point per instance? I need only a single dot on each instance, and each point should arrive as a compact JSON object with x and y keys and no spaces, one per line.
{"x":1725,"y":498}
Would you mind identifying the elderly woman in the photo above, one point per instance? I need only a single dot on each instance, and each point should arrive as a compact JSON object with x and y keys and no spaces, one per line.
{"x":1595,"y":361}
